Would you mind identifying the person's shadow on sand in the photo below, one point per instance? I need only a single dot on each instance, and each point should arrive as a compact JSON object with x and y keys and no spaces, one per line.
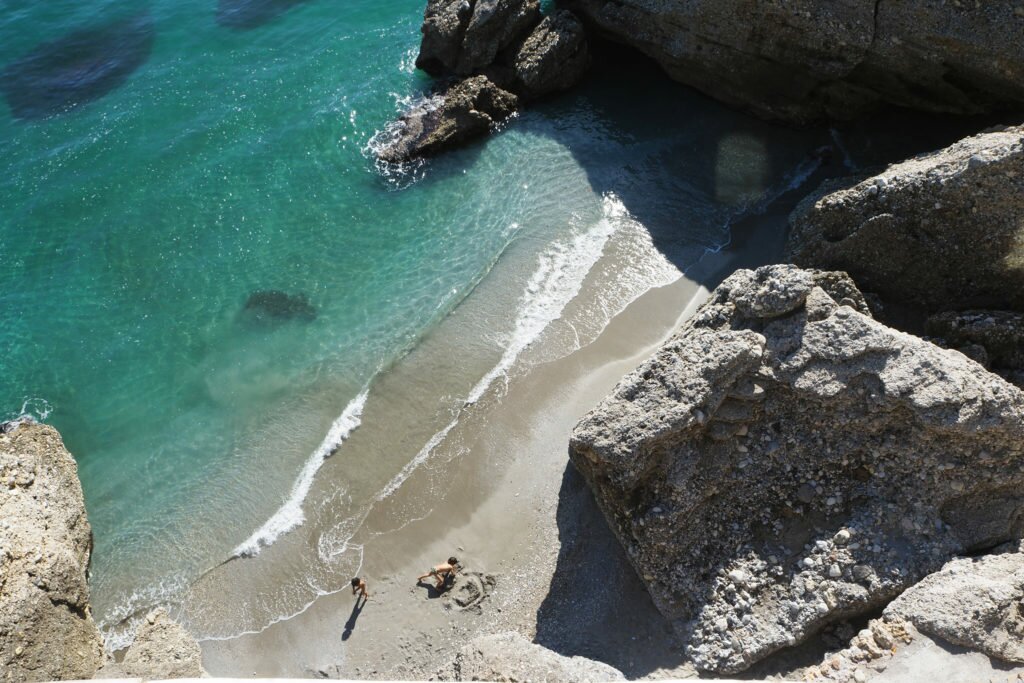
{"x":351,"y":623}
{"x":433,"y":591}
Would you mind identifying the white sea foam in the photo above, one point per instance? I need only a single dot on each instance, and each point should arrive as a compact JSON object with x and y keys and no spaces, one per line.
{"x":561,"y":270}
{"x":290,"y":514}
{"x":120,"y":623}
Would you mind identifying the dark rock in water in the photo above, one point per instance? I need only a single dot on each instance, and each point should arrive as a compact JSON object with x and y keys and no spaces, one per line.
{"x":464,"y":36}
{"x":785,"y":461}
{"x":248,"y":14}
{"x":272,"y":306}
{"x":466,"y":110}
{"x":804,"y":59}
{"x":553,"y":57}
{"x":934,"y":233}
{"x":77,"y":68}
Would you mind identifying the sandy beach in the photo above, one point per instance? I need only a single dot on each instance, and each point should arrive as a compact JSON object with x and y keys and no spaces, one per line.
{"x":538,"y":556}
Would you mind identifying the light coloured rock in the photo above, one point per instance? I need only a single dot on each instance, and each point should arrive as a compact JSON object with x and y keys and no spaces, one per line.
{"x":511,"y":657}
{"x":466,"y":110}
{"x":46,"y":629}
{"x":854,"y":426}
{"x":163,"y":649}
{"x":553,"y":57}
{"x":943,"y":231}
{"x":803,"y":59}
{"x":464,"y":36}
{"x":976,"y":603}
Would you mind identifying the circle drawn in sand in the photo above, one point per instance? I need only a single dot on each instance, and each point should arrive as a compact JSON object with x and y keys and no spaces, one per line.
{"x":470,"y":590}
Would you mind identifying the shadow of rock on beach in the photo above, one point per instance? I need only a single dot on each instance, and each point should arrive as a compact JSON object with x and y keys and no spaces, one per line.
{"x":596,"y":606}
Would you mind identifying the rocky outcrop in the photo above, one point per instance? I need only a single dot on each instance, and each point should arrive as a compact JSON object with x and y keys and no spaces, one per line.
{"x":553,"y":57}
{"x":974,"y":602}
{"x":515,"y":55}
{"x":994,"y":338}
{"x":785,"y":460}
{"x":163,"y":649}
{"x":468,"y":109}
{"x":806,"y":59}
{"x":944,"y":231}
{"x":463,"y":37}
{"x":511,"y":657}
{"x":46,"y":629}
{"x":46,"y":626}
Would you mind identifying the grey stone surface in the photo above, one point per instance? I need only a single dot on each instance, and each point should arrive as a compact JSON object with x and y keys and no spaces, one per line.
{"x":553,"y":57}
{"x":466,"y":110}
{"x":511,"y":657}
{"x":46,"y":629}
{"x":943,"y":231}
{"x":999,"y":334}
{"x":803,"y":59}
{"x":785,"y":461}
{"x":464,"y":36}
{"x":163,"y":649}
{"x":977,"y":603}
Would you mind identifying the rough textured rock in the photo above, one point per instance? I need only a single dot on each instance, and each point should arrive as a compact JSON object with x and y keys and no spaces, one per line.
{"x":163,"y":649}
{"x":464,"y":36}
{"x":511,"y":657}
{"x":944,"y":231}
{"x":46,"y":629}
{"x":803,"y":59}
{"x":466,"y":110}
{"x":974,"y":602}
{"x":785,"y":461}
{"x":553,"y":57}
{"x":999,"y":334}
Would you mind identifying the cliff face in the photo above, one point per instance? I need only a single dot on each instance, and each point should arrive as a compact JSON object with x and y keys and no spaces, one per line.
{"x":786,"y":460}
{"x":46,"y":629}
{"x":805,"y":59}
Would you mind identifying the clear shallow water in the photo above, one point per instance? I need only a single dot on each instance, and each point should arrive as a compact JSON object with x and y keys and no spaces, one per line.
{"x":136,"y":225}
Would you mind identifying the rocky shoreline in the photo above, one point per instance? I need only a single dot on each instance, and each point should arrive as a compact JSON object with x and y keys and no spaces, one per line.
{"x":834,"y":438}
{"x":46,"y":627}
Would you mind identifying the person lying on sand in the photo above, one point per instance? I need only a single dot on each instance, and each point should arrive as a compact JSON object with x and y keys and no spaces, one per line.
{"x":359,"y":586}
{"x":442,"y":572}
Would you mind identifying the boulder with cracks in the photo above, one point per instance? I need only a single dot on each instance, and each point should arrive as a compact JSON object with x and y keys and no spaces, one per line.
{"x":785,"y":461}
{"x":46,"y":627}
{"x":465,"y":110}
{"x":939,"y":232}
{"x":806,"y":59}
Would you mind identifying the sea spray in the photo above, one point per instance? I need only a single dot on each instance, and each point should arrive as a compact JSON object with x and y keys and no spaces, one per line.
{"x":290,"y":515}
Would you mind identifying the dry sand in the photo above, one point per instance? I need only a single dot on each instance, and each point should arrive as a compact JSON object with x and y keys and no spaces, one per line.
{"x":519,"y":518}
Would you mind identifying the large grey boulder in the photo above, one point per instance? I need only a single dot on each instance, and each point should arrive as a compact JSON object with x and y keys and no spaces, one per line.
{"x":46,"y":628}
{"x":464,"y":36}
{"x":163,"y":649}
{"x":466,"y":110}
{"x":998,"y":334}
{"x":511,"y":657}
{"x":803,"y":59}
{"x":974,"y":602}
{"x":553,"y":57}
{"x":943,"y":231}
{"x":785,"y":460}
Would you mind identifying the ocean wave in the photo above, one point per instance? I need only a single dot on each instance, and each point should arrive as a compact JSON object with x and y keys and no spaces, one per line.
{"x":557,"y":280}
{"x":290,"y":514}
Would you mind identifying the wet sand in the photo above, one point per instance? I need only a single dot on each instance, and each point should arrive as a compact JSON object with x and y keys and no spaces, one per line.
{"x":515,"y":512}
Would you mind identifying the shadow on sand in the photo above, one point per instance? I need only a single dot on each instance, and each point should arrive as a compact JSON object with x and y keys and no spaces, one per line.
{"x":350,"y":625}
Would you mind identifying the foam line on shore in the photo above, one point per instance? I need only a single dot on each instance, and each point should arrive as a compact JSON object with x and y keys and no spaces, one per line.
{"x":290,"y":515}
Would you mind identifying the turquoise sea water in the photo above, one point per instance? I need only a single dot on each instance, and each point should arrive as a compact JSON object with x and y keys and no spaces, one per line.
{"x":213,"y":154}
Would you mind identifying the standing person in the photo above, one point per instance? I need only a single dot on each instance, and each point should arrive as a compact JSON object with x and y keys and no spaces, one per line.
{"x":359,"y":587}
{"x":442,"y":572}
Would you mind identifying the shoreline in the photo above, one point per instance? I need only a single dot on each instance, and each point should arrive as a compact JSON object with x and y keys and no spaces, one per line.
{"x":506,"y":501}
